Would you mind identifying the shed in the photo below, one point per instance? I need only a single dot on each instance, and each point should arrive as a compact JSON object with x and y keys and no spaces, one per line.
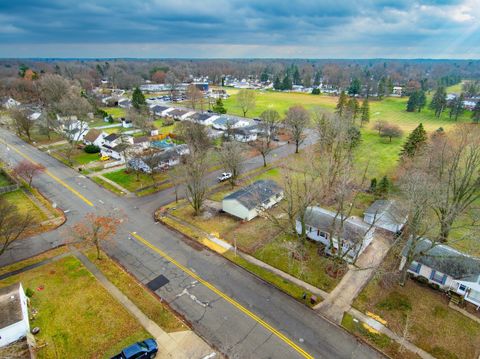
{"x":14,"y":323}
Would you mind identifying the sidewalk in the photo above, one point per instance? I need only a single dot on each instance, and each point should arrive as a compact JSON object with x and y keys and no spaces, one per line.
{"x":182,"y":345}
{"x":340,"y":299}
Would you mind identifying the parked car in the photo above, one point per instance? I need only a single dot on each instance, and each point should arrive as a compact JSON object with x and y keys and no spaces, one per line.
{"x":224,"y":176}
{"x":104,"y":158}
{"x":140,"y":350}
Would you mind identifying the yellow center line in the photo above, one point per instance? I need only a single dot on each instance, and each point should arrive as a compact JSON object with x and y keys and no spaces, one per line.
{"x":74,"y":191}
{"x":226,"y":297}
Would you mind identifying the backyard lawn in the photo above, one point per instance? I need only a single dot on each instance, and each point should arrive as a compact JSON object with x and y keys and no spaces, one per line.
{"x":116,"y":112}
{"x":78,"y":318}
{"x":433,"y":326}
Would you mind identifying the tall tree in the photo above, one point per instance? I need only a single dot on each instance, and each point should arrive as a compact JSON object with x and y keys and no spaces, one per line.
{"x":476,"y":113}
{"x":457,"y":107}
{"x":219,"y":107}
{"x":341,"y":104}
{"x":297,"y":121}
{"x":22,"y":123}
{"x":415,"y":141}
{"x":141,"y":119}
{"x":421,"y":100}
{"x":277,"y":84}
{"x":439,"y":101}
{"x":412,"y":103}
{"x":28,"y":170}
{"x":268,"y":126}
{"x":287,"y":83}
{"x":355,"y":87}
{"x":138,"y":99}
{"x":13,"y":224}
{"x":353,"y":107}
{"x":195,"y":136}
{"x":231,"y":158}
{"x":193,"y":178}
{"x":365,"y":112}
{"x":194,"y":96}
{"x":246,"y":100}
{"x":297,"y":80}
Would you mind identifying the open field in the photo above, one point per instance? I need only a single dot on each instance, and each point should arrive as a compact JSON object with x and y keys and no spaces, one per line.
{"x":77,"y":316}
{"x":433,"y":326}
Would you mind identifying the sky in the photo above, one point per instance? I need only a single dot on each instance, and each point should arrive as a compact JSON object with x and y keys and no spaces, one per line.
{"x":240,"y":28}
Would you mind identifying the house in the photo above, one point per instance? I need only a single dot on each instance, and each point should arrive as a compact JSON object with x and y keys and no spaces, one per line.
{"x":94,"y":137}
{"x":124,"y":103}
{"x":161,"y":111}
{"x":177,"y":114}
{"x":447,"y":268}
{"x":353,"y":236}
{"x":117,"y":152}
{"x":249,"y":201}
{"x":224,"y":122}
{"x":245,"y":134}
{"x":112,"y":140}
{"x":397,"y":91}
{"x":205,"y":119}
{"x":385,"y":214}
{"x":127,"y":123}
{"x":14,"y":323}
{"x":141,"y":142}
{"x":75,"y":129}
{"x":162,"y":159}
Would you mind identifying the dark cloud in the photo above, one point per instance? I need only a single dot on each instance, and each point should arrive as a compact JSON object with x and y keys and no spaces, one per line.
{"x":338,"y":27}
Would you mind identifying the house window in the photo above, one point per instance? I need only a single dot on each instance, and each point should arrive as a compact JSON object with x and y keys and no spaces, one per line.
{"x":415,"y":267}
{"x":438,"y":277}
{"x":462,"y":288}
{"x":322,"y":234}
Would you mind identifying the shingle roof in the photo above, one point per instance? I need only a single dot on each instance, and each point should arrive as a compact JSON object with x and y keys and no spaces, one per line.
{"x":10,"y":308}
{"x":111,"y":137}
{"x":255,"y":194}
{"x":158,"y":108}
{"x":177,"y":112}
{"x":446,"y":259}
{"x":328,"y":221}
{"x":390,"y":207}
{"x":92,"y":135}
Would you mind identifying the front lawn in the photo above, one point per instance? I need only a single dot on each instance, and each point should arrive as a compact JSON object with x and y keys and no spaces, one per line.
{"x":82,"y":158}
{"x":25,"y":205}
{"x":129,"y":180}
{"x":77,"y":317}
{"x":433,"y":326}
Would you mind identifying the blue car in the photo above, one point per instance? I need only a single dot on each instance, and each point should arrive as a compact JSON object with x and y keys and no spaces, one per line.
{"x":140,"y":350}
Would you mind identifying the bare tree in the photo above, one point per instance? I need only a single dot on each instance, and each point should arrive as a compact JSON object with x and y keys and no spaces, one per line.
{"x":246,"y":100}
{"x":297,"y":121}
{"x":172,"y":81}
{"x":231,"y":158}
{"x":390,"y":130}
{"x":268,"y":129}
{"x":13,"y":224}
{"x":379,"y":125}
{"x":194,"y":96}
{"x":152,"y":159}
{"x":140,"y":119}
{"x":194,"y":135}
{"x":22,"y":123}
{"x":193,"y":177}
{"x":175,"y":178}
{"x":28,"y":170}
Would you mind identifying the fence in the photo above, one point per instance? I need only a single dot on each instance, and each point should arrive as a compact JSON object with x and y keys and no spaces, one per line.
{"x":10,"y":188}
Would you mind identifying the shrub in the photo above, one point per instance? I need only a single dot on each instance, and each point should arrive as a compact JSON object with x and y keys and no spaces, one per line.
{"x":316,"y":92}
{"x":395,"y":301}
{"x":29,"y":292}
{"x":168,"y":122}
{"x":91,"y":149}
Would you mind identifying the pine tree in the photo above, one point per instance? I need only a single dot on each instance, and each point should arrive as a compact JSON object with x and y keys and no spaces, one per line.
{"x":381,"y":88}
{"x":317,"y":78}
{"x":383,"y":187}
{"x":373,"y":185}
{"x":416,"y":140}
{"x":355,"y":87}
{"x":219,"y":108}
{"x":287,"y":83}
{"x":476,"y":113}
{"x":296,"y":77}
{"x":365,"y":112}
{"x":457,"y":107}
{"x":352,"y":108}
{"x":421,"y":100}
{"x":277,"y":84}
{"x":412,"y":103}
{"x":264,"y":76}
{"x":138,"y":99}
{"x":439,"y":101}
{"x":341,"y":104}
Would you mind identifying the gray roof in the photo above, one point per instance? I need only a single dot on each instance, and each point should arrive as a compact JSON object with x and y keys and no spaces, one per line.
{"x":224,"y":120}
{"x":201,"y":117}
{"x":111,"y":137}
{"x":158,"y":108}
{"x":255,"y":194}
{"x":177,"y":112}
{"x":328,"y":221}
{"x":10,"y":308}
{"x":446,"y":259}
{"x":390,"y":207}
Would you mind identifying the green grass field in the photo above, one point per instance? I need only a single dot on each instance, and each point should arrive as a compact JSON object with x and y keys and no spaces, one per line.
{"x":77,"y":316}
{"x":25,"y":204}
{"x":116,"y":112}
{"x":129,"y":180}
{"x":4,"y":180}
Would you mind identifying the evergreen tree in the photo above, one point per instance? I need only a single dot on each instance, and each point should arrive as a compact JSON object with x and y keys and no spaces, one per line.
{"x":373,"y":185}
{"x":264,"y":76}
{"x":355,"y":87}
{"x":456,"y":107}
{"x":476,"y":113}
{"x":277,"y":84}
{"x":296,"y":77}
{"x":317,"y":78}
{"x":383,"y":187}
{"x":219,"y":108}
{"x":316,"y":91}
{"x":341,"y":104}
{"x":138,"y":99}
{"x":439,"y":101}
{"x":412,"y":103}
{"x":287,"y":83}
{"x":416,"y":140}
{"x":421,"y":100}
{"x":365,"y":112}
{"x":381,"y":88}
{"x":352,"y":108}
{"x":389,"y":85}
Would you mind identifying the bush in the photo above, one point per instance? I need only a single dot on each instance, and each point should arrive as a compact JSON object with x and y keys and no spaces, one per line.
{"x":101,"y":113}
{"x":316,"y":92}
{"x":167,"y":122}
{"x":29,"y":292}
{"x":395,"y":301}
{"x":91,"y":149}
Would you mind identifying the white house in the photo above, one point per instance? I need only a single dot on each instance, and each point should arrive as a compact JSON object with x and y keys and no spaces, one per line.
{"x":397,"y":91}
{"x":127,"y":123}
{"x":446,"y":267}
{"x":326,"y":227}
{"x":249,"y":201}
{"x":116,"y":146}
{"x":161,"y":111}
{"x":244,"y":134}
{"x":224,"y":122}
{"x":205,"y":119}
{"x":385,"y":214}
{"x":75,"y":129}
{"x":94,"y":137}
{"x":14,"y":323}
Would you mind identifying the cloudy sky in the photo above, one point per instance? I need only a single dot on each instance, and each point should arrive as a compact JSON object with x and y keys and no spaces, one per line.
{"x":240,"y":28}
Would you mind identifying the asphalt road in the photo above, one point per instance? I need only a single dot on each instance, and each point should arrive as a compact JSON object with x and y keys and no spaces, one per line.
{"x":234,"y":311}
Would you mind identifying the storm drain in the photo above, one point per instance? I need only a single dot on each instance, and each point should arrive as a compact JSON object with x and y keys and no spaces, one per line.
{"x":157,"y":282}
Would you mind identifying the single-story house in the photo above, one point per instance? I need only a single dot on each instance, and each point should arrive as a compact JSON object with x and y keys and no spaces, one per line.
{"x":397,"y":91}
{"x":245,"y":134}
{"x":116,"y":152}
{"x":141,"y":142}
{"x":177,"y":114}
{"x":161,"y":111}
{"x":446,"y":267}
{"x":14,"y":323}
{"x":205,"y":119}
{"x":114,"y":139}
{"x":249,"y":201}
{"x":75,"y":129}
{"x":386,"y":214}
{"x":224,"y":122}
{"x":94,"y":137}
{"x":163,"y":159}
{"x":354,"y":236}
{"x":127,"y":123}
{"x":124,"y":103}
